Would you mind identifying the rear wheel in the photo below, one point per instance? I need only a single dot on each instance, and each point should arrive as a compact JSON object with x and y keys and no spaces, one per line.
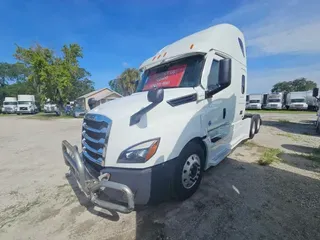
{"x":252,"y":127}
{"x":188,"y":172}
{"x":258,"y":124}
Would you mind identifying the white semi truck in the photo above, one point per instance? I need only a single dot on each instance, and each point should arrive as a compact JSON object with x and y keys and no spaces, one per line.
{"x":276,"y":101}
{"x":50,"y":107}
{"x":26,"y":104}
{"x":9,"y":105}
{"x":302,"y":101}
{"x":255,"y":101}
{"x":187,"y":115}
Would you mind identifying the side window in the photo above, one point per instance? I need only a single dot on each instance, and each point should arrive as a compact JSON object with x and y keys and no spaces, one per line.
{"x":241,"y":46}
{"x":213,"y":75}
{"x":243,"y":84}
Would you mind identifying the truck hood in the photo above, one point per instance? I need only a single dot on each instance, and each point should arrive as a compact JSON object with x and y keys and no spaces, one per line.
{"x":125,"y":107}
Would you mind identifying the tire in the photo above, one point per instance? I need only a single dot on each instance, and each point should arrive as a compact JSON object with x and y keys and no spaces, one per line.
{"x":252,"y":127}
{"x":258,"y":125}
{"x":318,"y":128}
{"x":184,"y":186}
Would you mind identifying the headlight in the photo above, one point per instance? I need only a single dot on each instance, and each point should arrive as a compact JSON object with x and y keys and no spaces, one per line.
{"x":140,"y":152}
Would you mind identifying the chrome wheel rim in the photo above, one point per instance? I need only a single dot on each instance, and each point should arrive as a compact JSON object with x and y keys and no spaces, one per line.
{"x":191,"y":171}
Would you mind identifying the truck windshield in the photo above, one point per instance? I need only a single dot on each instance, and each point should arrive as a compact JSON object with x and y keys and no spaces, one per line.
{"x":24,"y":102}
{"x":10,"y":103}
{"x":297,"y":100}
{"x":254,"y":101}
{"x":274,"y":100}
{"x":184,"y":72}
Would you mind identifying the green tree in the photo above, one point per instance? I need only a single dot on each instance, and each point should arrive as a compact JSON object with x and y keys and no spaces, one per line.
{"x":58,"y":78}
{"x":125,"y":83}
{"x":12,"y":72}
{"x":300,"y":84}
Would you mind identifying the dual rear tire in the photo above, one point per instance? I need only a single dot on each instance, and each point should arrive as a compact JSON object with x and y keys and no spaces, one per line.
{"x":255,"y":125}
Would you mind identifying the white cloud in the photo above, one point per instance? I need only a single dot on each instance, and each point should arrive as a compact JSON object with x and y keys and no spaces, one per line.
{"x":263,"y":80}
{"x":125,"y":64}
{"x":278,"y":27}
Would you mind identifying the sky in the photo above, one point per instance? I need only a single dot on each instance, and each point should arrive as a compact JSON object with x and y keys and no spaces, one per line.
{"x":282,"y":36}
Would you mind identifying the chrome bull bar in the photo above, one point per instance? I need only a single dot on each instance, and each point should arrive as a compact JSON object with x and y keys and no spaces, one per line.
{"x":90,"y":185}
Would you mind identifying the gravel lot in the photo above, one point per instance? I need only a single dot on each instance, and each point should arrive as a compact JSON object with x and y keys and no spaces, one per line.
{"x":238,"y":199}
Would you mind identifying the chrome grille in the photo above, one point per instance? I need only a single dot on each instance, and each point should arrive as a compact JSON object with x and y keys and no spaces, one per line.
{"x":95,"y":135}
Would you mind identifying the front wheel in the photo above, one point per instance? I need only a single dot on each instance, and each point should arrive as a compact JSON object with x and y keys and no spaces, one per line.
{"x":188,"y":173}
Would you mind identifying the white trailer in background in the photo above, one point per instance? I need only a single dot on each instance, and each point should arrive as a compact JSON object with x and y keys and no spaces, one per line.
{"x":255,"y":101}
{"x":276,"y":101}
{"x":302,"y":101}
{"x":9,"y":105}
{"x":187,"y":115}
{"x":26,"y":104}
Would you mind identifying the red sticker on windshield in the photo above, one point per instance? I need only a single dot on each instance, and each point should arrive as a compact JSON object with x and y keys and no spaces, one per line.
{"x":170,"y":78}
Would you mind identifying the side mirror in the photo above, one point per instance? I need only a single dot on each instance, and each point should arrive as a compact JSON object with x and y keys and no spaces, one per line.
{"x":315,"y":92}
{"x":155,"y":95}
{"x":91,"y":102}
{"x":225,"y":72}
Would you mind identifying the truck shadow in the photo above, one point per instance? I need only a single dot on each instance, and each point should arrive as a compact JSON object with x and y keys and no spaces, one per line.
{"x":107,"y":214}
{"x":293,"y":127}
{"x":300,"y":159}
{"x":238,"y":200}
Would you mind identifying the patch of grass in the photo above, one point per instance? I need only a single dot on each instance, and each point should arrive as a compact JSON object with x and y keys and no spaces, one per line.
{"x":283,"y":121}
{"x":47,"y":116}
{"x":291,"y":136}
{"x":280,"y":111}
{"x":269,"y":156}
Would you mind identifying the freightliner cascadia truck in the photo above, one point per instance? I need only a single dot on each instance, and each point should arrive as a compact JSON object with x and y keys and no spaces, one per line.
{"x":187,"y":114}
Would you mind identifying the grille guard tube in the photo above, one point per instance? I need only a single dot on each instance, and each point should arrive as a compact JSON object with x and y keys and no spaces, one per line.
{"x":91,"y":186}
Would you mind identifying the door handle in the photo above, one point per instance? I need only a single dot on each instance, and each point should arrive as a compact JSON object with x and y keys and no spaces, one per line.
{"x":224,"y":113}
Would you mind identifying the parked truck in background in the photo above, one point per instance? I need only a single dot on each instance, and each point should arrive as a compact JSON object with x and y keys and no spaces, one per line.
{"x":302,"y":101}
{"x":50,"y":107}
{"x":187,"y":114}
{"x":276,"y":101}
{"x":26,"y":104}
{"x":255,"y":101}
{"x":9,"y":105}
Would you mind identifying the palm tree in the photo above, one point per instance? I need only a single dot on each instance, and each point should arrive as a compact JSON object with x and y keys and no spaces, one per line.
{"x":127,"y":80}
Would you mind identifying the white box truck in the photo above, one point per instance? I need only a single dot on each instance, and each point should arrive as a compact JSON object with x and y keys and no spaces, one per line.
{"x":187,"y":114}
{"x":9,"y":105}
{"x":255,"y":101}
{"x":26,"y":104}
{"x":277,"y":100}
{"x":302,"y":101}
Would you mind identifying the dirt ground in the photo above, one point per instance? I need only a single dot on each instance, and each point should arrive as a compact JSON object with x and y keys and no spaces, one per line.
{"x":238,"y":199}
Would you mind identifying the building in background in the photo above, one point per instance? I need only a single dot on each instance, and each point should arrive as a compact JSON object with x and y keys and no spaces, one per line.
{"x":101,"y":96}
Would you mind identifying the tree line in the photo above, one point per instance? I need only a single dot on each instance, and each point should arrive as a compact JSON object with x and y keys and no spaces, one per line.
{"x":297,"y":85}
{"x":41,"y":72}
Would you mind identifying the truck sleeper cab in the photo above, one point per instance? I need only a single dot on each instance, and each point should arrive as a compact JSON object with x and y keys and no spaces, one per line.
{"x":187,"y":114}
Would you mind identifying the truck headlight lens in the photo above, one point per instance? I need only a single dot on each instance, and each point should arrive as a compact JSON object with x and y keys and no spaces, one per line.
{"x":140,"y":152}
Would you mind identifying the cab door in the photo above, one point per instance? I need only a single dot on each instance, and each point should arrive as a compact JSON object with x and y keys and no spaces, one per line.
{"x":219,"y":113}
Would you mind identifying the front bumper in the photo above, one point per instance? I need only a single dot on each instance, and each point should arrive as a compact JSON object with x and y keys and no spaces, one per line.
{"x":304,"y":107}
{"x":91,"y":185}
{"x":125,"y":185}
